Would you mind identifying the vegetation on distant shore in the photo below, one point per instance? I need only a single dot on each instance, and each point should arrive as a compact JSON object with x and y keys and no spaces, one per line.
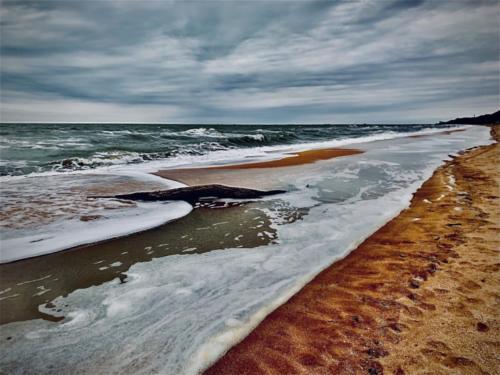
{"x":489,"y":119}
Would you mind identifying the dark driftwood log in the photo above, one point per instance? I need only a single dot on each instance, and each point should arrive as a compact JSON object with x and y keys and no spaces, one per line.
{"x":192,"y":194}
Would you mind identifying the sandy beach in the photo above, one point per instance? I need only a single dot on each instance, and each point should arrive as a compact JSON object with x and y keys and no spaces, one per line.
{"x":249,"y":187}
{"x":361,"y":315}
{"x":418,"y":296}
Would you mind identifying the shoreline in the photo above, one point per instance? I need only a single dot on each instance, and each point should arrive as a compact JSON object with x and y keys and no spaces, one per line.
{"x":260,"y":174}
{"x":113,"y":261}
{"x":412,"y":293}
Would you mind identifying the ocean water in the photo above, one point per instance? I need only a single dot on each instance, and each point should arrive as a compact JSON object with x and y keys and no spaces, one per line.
{"x":177,"y":314}
{"x":28,"y":148}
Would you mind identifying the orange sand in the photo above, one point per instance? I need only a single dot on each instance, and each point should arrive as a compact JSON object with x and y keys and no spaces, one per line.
{"x":420,"y":296}
{"x":257,"y":175}
{"x":302,"y":157}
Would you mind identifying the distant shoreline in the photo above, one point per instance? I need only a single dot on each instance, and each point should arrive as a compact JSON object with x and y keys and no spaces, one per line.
{"x":223,"y":124}
{"x":489,"y":119}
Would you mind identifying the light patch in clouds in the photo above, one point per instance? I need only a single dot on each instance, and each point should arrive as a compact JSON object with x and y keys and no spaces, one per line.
{"x":71,"y":111}
{"x":263,"y":62}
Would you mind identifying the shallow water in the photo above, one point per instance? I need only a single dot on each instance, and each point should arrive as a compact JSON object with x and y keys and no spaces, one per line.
{"x":33,"y":282}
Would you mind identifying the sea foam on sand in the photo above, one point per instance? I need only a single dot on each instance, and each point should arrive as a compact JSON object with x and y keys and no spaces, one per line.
{"x":44,"y":214}
{"x":178,"y":314}
{"x":64,"y":234}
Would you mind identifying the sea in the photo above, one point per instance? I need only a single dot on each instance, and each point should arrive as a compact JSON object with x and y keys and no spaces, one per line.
{"x":177,"y":311}
{"x":34,"y":148}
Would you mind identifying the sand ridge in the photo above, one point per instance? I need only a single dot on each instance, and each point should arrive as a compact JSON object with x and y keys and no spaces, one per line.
{"x":298,"y":158}
{"x":420,"y":296}
{"x":256,"y":175}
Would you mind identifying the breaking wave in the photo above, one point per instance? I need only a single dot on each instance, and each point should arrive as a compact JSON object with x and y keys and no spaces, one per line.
{"x":58,"y":147}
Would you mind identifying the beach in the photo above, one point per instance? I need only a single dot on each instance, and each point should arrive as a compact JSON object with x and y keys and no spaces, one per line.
{"x":176,"y":297}
{"x":418,"y":296}
{"x":249,"y":187}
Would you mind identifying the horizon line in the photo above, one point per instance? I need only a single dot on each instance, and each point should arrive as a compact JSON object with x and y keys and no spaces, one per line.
{"x":212,"y":124}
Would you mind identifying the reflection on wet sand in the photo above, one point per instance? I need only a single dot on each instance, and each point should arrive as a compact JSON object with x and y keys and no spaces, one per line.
{"x":32,"y":282}
{"x":35,"y":201}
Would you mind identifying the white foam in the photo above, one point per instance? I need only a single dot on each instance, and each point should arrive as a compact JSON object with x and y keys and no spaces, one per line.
{"x":11,"y":296}
{"x":64,"y":234}
{"x":43,"y":214}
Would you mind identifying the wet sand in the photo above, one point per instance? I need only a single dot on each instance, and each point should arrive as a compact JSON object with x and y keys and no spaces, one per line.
{"x":418,"y":296}
{"x":299,"y":158}
{"x":29,"y":283}
{"x":64,"y":197}
{"x":254,"y":174}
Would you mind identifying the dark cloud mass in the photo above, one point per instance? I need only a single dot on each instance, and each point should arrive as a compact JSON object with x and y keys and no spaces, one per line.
{"x":248,"y":62}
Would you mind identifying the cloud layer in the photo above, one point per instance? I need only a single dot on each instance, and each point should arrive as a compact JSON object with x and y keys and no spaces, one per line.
{"x":248,"y":62}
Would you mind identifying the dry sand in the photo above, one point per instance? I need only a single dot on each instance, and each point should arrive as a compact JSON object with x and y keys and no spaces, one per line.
{"x":420,"y":296}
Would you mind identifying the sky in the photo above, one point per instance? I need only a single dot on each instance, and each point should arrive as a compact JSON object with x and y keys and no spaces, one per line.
{"x":373,"y":61}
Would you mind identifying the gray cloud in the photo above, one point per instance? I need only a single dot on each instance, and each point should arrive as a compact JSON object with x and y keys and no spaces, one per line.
{"x":257,"y":62}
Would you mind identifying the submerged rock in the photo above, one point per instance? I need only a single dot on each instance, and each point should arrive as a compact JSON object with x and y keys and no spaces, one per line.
{"x":89,"y":217}
{"x":194,"y":194}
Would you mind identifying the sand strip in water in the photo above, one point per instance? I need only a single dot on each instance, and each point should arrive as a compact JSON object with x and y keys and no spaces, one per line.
{"x":257,"y":175}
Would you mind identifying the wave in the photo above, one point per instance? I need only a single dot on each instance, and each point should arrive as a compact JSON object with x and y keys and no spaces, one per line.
{"x":109,"y":158}
{"x":104,"y":148}
{"x":204,"y":132}
{"x":267,"y":138}
{"x":260,"y":137}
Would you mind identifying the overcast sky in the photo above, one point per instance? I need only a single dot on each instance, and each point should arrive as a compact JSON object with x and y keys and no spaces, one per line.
{"x":248,"y":62}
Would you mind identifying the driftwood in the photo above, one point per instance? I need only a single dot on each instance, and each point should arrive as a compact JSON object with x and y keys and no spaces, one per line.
{"x":193,"y":194}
